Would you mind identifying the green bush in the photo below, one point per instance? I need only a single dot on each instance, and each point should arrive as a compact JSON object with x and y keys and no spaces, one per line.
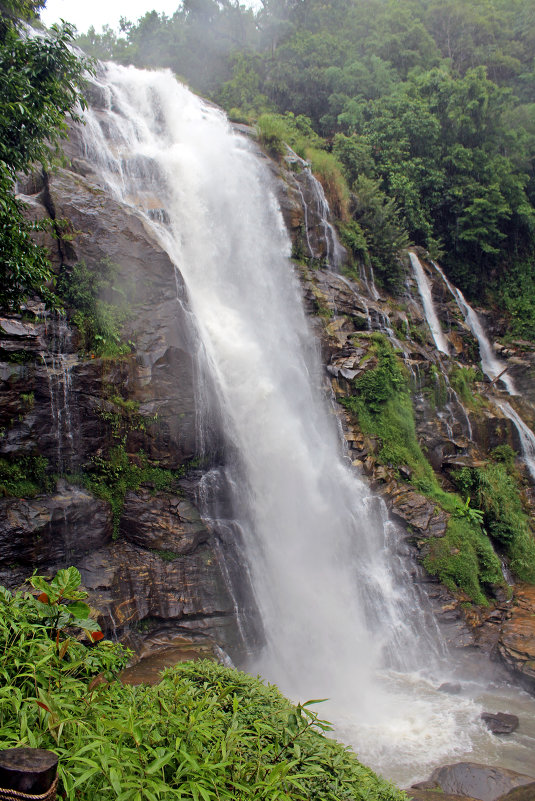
{"x":271,"y":133}
{"x":206,"y":732}
{"x":464,"y":559}
{"x":97,"y":306}
{"x":24,"y":475}
{"x":505,"y":520}
{"x":328,"y":171}
{"x":495,"y":490}
{"x":111,"y":477}
{"x":383,"y":406}
{"x":462,"y":380}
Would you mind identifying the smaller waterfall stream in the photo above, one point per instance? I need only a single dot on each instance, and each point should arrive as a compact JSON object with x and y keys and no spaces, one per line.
{"x":317,"y":209}
{"x":494,"y":369}
{"x":431,"y":316}
{"x":58,"y":365}
{"x":526,"y":435}
{"x":491,"y":365}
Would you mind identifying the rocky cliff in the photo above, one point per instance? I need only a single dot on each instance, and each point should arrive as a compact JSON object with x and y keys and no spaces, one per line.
{"x":114,"y":462}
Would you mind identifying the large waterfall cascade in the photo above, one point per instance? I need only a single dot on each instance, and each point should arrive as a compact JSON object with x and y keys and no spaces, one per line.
{"x":340,"y":617}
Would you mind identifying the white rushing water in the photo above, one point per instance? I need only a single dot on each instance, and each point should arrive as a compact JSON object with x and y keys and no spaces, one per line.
{"x":494,"y":368}
{"x":525,"y":434}
{"x":424,"y":289}
{"x":490,"y":364}
{"x":340,"y":616}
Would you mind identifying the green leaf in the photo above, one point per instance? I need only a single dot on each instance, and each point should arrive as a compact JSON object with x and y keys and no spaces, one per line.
{"x":79,"y":610}
{"x":115,"y":782}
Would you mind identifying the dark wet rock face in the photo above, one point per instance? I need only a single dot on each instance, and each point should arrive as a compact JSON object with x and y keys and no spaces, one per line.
{"x":516,"y":645}
{"x":477,"y":781}
{"x":164,"y":577}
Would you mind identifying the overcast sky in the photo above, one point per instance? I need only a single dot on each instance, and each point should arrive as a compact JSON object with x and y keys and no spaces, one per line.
{"x":84,"y":13}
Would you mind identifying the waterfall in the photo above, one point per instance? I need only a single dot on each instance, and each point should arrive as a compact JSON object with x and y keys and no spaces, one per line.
{"x":58,"y":365}
{"x":340,"y":616}
{"x":424,"y":289}
{"x":493,"y":367}
{"x":490,"y":364}
{"x":316,"y":208}
{"x":525,"y":434}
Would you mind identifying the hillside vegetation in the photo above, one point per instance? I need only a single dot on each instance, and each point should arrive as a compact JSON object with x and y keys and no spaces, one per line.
{"x":428,"y":108}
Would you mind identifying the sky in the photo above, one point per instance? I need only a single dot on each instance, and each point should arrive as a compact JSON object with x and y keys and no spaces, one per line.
{"x":84,"y":13}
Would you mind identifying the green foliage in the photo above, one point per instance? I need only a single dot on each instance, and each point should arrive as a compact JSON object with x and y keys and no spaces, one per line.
{"x":505,"y":520}
{"x":464,"y":559}
{"x":271,"y":133}
{"x":40,"y":77}
{"x":98,"y":306}
{"x":495,"y":490}
{"x":24,"y":475}
{"x":462,"y":380}
{"x":111,"y":477}
{"x":328,"y":171}
{"x":517,"y":295}
{"x":205,"y":732}
{"x":383,"y":406}
{"x":56,"y":614}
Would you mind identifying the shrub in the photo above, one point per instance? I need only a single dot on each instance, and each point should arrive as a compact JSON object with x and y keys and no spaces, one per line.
{"x":97,"y":305}
{"x":205,"y":732}
{"x":328,"y":171}
{"x":464,"y":559}
{"x":111,"y":477}
{"x":24,"y":475}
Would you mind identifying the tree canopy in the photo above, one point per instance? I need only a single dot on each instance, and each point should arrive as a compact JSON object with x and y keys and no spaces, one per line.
{"x":428,"y":105}
{"x":40,"y":75}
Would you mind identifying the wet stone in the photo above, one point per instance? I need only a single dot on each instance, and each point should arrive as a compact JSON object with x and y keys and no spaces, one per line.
{"x":500,"y":722}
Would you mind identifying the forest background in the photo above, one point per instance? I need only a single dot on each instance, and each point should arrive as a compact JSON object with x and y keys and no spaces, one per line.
{"x":418,"y":116}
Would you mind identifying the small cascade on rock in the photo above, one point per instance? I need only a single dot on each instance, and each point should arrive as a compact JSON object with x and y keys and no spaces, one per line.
{"x":58,"y":364}
{"x":525,"y":434}
{"x":424,"y":288}
{"x":491,"y":365}
{"x":368,"y":279}
{"x":317,"y":214}
{"x":495,"y":370}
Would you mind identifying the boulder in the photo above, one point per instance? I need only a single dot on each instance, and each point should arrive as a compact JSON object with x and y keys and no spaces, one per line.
{"x":500,"y":722}
{"x":482,"y":782}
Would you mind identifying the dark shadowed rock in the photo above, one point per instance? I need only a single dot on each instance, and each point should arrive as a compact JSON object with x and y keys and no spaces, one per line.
{"x":55,"y":529}
{"x":451,"y":688}
{"x":187,"y":592}
{"x":162,"y":522}
{"x":478,"y":781}
{"x":500,"y":722}
{"x":526,"y":793}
